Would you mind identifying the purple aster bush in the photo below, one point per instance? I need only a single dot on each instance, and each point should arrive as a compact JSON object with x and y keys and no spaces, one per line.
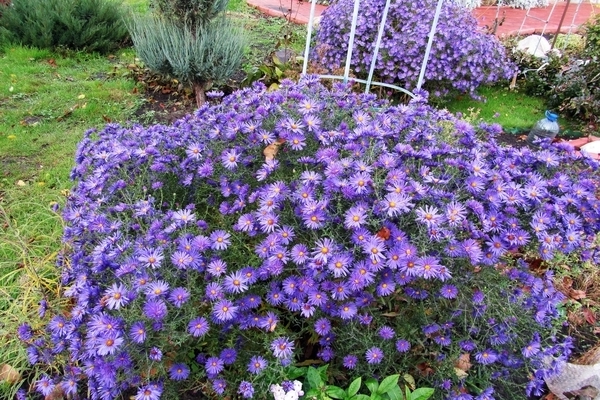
{"x":185,"y":270}
{"x":462,"y":57}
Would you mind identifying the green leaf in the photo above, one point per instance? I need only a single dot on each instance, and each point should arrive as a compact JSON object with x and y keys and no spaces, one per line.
{"x":422,"y":394}
{"x":410,"y":381}
{"x":372,"y":385}
{"x":362,"y":397}
{"x":314,"y":378}
{"x":335,"y":392}
{"x":293,"y":372}
{"x":388,"y":384}
{"x":395,"y":393}
{"x":354,"y":386}
{"x":376,"y":396}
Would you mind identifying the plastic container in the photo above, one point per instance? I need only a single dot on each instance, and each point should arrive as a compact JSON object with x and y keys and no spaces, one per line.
{"x":545,"y":130}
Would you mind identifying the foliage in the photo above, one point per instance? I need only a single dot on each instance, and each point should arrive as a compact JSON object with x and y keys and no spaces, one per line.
{"x":88,"y":25}
{"x":537,"y":76}
{"x":462,"y":57}
{"x":389,"y":388}
{"x":194,"y":13}
{"x":591,"y":31}
{"x":194,"y":262}
{"x":203,"y":48}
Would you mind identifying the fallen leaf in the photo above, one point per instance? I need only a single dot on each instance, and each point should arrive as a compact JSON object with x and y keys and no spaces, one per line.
{"x":271,"y":150}
{"x":410,"y":381}
{"x":21,"y":183}
{"x":9,"y":374}
{"x":384,"y":233}
{"x":425,"y":369}
{"x":106,"y":119}
{"x":589,"y":315}
{"x":81,"y":96}
{"x":460,"y":374}
{"x":587,"y":392}
{"x":57,"y":394}
{"x":577,"y":294}
{"x":463,"y":362}
{"x":52,"y":63}
{"x":568,"y":282}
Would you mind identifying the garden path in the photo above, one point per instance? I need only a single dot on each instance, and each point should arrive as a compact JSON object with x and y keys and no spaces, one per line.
{"x":514,"y":19}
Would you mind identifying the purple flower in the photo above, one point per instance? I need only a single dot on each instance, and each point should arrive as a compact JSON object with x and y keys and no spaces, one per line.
{"x":179,"y":296}
{"x":350,"y":361}
{"x":374,"y":355}
{"x":449,"y":291}
{"x":155,"y":354}
{"x":257,"y":364}
{"x":486,"y":357}
{"x":386,"y":332}
{"x":220,"y":240}
{"x":236,"y":282}
{"x":322,"y":326}
{"x":214,"y":365}
{"x":246,"y":390}
{"x":179,"y":371}
{"x":45,"y":385}
{"x":282,"y":348}
{"x":116,"y":296}
{"x":219,"y":386}
{"x":198,"y":327}
{"x":152,"y":391}
{"x":402,"y":345}
{"x":228,"y":355}
{"x":155,"y":309}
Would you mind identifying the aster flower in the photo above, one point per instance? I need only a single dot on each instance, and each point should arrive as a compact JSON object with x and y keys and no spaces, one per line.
{"x":429,"y":215}
{"x":224,"y":310}
{"x":217,"y":267}
{"x":350,"y":361}
{"x":375,"y":248}
{"x":282,"y":348}
{"x":228,"y":355}
{"x":151,"y":258}
{"x":347,"y":310}
{"x":137,"y":332}
{"x":219,"y":386}
{"x":151,"y":391}
{"x":374,"y":355}
{"x":214,"y":365}
{"x":486,"y":357}
{"x":355,"y":217}
{"x":246,"y":390}
{"x":156,"y":289}
{"x":257,"y":364}
{"x":179,"y":296}
{"x":386,"y":332}
{"x":179,"y":371}
{"x":198,"y":327}
{"x":45,"y":385}
{"x":395,"y":204}
{"x":235,"y":283}
{"x":230,"y":158}
{"x":322,"y":326}
{"x":449,"y":292}
{"x":155,"y":354}
{"x":116,"y":296}
{"x":402,"y":346}
{"x":220,"y":240}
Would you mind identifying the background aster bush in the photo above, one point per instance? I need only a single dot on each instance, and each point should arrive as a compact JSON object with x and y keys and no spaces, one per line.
{"x":462,"y":57}
{"x":373,"y":237}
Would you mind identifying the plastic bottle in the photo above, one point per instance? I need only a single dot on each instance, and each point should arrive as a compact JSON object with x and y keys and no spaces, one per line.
{"x":545,"y":129}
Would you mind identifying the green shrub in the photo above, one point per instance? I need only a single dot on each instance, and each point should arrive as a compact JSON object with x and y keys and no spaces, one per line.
{"x":193,"y":12}
{"x":88,"y":25}
{"x":196,"y":52}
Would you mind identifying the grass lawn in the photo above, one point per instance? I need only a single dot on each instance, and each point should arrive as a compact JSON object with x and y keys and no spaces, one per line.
{"x":49,"y":99}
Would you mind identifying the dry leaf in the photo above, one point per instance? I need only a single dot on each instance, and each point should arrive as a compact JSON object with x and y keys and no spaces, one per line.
{"x":384,"y":233}
{"x":589,"y":315}
{"x":460,"y":374}
{"x":57,"y":394}
{"x":567,"y":282}
{"x":271,"y":150}
{"x":9,"y":374}
{"x":464,"y":362}
{"x":587,"y":392}
{"x":577,"y":294}
{"x":21,"y":183}
{"x":425,"y":369}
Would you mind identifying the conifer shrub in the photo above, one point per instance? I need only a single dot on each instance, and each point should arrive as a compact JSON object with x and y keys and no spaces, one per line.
{"x":310,"y":223}
{"x":198,"y":46}
{"x":462,"y":57}
{"x":86,"y":25}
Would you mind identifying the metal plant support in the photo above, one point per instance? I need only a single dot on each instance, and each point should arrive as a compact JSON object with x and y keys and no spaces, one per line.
{"x":369,"y":81}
